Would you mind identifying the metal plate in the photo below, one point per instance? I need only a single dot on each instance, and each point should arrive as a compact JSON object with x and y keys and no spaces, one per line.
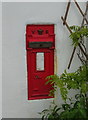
{"x":40,"y":61}
{"x":40,"y":44}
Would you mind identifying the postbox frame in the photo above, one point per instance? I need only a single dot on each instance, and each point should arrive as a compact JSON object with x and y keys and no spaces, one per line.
{"x":35,"y":50}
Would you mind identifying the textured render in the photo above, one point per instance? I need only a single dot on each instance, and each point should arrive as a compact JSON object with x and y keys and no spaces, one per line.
{"x":15,"y":16}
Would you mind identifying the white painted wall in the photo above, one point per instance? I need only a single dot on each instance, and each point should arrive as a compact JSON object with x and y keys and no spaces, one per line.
{"x":15,"y":17}
{"x":1,"y":60}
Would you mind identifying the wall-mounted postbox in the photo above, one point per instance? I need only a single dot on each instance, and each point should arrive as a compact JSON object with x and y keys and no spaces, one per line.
{"x":40,"y":44}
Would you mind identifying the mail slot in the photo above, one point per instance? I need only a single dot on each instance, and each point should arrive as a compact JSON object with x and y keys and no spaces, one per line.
{"x":40,"y":45}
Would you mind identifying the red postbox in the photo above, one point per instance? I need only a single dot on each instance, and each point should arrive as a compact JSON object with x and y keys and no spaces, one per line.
{"x":40,"y":44}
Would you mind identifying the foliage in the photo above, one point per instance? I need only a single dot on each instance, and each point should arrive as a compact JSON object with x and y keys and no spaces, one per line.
{"x":51,"y":113}
{"x":55,"y":79}
{"x":76,"y":80}
{"x":72,"y":111}
{"x":76,"y":111}
{"x":78,"y":33}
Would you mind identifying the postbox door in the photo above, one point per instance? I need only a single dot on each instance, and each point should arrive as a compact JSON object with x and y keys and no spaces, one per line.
{"x":41,"y":65}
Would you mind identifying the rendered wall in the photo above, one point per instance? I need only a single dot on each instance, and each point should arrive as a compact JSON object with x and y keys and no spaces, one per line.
{"x":15,"y":16}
